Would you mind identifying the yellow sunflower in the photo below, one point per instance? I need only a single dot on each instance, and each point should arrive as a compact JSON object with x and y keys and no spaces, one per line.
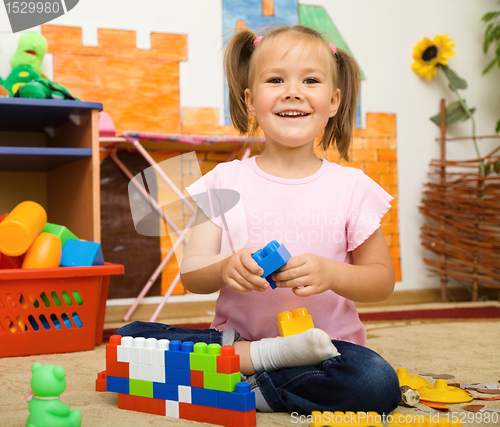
{"x":429,"y":53}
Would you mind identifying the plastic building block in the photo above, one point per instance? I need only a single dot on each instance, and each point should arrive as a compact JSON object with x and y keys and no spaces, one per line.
{"x":204,"y":357}
{"x":117,"y":369}
{"x":243,"y":419}
{"x":21,"y":227}
{"x":271,"y":258}
{"x":291,"y":323}
{"x":197,"y":379}
{"x":228,"y":362}
{"x":78,"y":253}
{"x":165,"y":391}
{"x":141,"y":388}
{"x":205,"y":397}
{"x":184,"y":394}
{"x":177,"y":355}
{"x":178,"y":376}
{"x":100,"y":382}
{"x":413,"y":381}
{"x":111,"y":348}
{"x":60,"y":231}
{"x":443,"y":393}
{"x":172,"y":408}
{"x":44,"y":252}
{"x":241,"y":400}
{"x":117,"y":384}
{"x":347,"y":419}
{"x":419,"y":420}
{"x":48,"y":382}
{"x":141,"y":404}
{"x":123,"y":350}
{"x":222,"y":382}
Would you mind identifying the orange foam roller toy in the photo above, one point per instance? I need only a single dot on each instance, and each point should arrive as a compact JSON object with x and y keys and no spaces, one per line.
{"x":21,"y":227}
{"x":45,"y":252}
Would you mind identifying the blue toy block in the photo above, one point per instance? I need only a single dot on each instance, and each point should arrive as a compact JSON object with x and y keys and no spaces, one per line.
{"x":177,"y":355}
{"x":118,"y":385}
{"x":242,"y":399}
{"x":271,"y":258}
{"x":78,"y":253}
{"x":178,"y":376}
{"x":204,"y":397}
{"x":165,"y":391}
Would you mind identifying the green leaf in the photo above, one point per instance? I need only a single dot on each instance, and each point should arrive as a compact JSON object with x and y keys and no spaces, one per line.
{"x":492,"y":64}
{"x":497,"y":128}
{"x":489,"y":16}
{"x":454,"y":113}
{"x":496,"y":167}
{"x":456,"y":82}
{"x":487,"y":169}
{"x":488,"y":37}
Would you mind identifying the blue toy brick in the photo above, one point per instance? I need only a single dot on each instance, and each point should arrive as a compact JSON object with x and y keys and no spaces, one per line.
{"x":204,"y":397}
{"x":117,"y":385}
{"x":165,"y":391}
{"x":271,"y":258}
{"x":178,"y":376}
{"x":242,"y":399}
{"x":177,"y":355}
{"x":78,"y":253}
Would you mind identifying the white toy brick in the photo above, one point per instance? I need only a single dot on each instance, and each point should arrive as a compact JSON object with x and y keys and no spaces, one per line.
{"x":135,"y":350}
{"x":134,"y":371}
{"x":147,"y":373}
{"x":184,"y":394}
{"x":158,"y":354}
{"x":159,"y":374}
{"x":123,"y":350}
{"x":172,"y":408}
{"x":146,"y":352}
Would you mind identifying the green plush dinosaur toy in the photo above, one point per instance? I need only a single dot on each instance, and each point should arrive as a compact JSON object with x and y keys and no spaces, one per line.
{"x":46,"y":410}
{"x":26,"y":79}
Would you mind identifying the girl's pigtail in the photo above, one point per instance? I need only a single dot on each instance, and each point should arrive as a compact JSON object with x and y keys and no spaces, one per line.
{"x":340,"y":127}
{"x":236,"y":64}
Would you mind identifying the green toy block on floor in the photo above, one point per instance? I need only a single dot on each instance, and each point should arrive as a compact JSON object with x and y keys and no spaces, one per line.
{"x":221,"y":382}
{"x":141,"y":388}
{"x":79,"y":253}
{"x":60,"y":231}
{"x":204,"y":357}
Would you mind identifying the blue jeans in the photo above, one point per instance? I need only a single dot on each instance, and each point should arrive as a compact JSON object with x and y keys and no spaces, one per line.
{"x":357,"y":380}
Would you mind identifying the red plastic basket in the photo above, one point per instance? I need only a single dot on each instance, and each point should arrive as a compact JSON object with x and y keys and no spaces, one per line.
{"x":55,"y":310}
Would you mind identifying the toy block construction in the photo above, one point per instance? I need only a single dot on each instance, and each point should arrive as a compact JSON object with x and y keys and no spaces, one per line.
{"x":196,"y":382}
{"x":271,"y":258}
{"x":79,"y":253}
{"x":294,"y":322}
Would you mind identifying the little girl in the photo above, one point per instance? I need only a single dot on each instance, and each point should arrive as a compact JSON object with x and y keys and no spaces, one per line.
{"x":294,"y":86}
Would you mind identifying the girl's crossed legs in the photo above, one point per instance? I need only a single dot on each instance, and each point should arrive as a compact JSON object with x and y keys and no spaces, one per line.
{"x":356,"y":380}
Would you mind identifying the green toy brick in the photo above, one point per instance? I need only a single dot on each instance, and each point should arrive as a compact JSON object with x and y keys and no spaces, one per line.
{"x":60,"y":231}
{"x":221,"y":382}
{"x":204,"y":357}
{"x":141,"y":388}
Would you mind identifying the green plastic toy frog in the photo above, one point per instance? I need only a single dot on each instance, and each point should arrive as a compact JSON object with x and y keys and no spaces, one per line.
{"x":48,"y":382}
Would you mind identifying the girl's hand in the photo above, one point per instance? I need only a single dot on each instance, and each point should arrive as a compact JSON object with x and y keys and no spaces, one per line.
{"x":306,"y":274}
{"x":242,"y":273}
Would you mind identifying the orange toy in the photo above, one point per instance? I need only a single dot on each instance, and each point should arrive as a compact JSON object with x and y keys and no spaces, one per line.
{"x":21,"y":227}
{"x":45,"y":252}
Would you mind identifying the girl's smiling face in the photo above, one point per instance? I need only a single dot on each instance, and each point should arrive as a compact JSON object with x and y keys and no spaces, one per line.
{"x":292,"y":95}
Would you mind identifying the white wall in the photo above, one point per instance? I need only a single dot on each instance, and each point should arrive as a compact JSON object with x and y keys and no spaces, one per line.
{"x":380,"y":33}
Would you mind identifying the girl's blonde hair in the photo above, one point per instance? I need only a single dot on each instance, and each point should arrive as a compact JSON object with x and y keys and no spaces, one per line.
{"x":241,"y":57}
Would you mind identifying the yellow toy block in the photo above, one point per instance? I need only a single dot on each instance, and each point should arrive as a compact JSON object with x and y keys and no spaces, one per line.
{"x":345,"y":419}
{"x":291,"y":323}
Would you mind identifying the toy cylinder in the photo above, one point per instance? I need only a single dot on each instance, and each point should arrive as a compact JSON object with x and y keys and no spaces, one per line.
{"x":21,"y":227}
{"x":285,"y":315}
{"x":299,"y":312}
{"x":45,"y":252}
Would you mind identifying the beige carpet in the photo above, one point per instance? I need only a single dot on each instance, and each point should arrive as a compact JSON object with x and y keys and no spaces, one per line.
{"x":467,"y":349}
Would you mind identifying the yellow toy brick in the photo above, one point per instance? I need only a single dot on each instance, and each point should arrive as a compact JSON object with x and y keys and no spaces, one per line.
{"x":345,"y":419}
{"x":291,"y":323}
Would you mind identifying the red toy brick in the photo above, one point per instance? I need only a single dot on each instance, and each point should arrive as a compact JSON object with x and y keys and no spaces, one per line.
{"x":100,"y":382}
{"x":111,"y":353}
{"x":197,"y":379}
{"x":117,"y":369}
{"x":227,"y":361}
{"x":148,"y":405}
{"x":115,"y":339}
{"x":244,"y":419}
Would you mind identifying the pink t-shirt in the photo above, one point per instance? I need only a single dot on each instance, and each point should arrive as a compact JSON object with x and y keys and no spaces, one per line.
{"x":329,"y":214}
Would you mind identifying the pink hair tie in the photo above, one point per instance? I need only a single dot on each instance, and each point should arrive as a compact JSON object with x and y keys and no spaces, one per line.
{"x":257,"y":40}
{"x":332,"y":47}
